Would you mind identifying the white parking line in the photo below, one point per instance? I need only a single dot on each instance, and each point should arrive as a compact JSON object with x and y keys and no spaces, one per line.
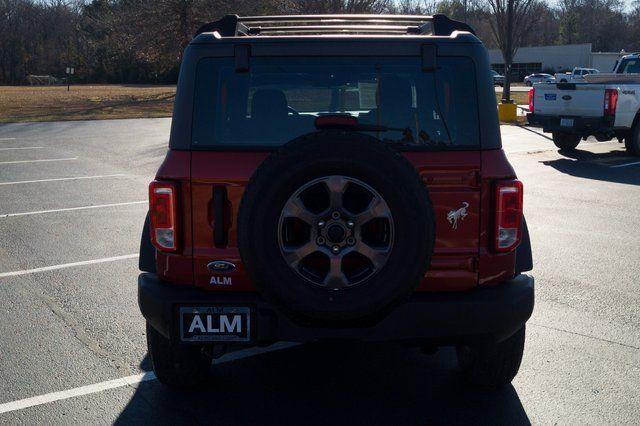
{"x":38,"y":161}
{"x":625,"y":165}
{"x":125,"y":381}
{"x":7,"y":139}
{"x":68,"y":209}
{"x":21,"y":147}
{"x":71,"y":393}
{"x":67,"y":265}
{"x":59,"y":179}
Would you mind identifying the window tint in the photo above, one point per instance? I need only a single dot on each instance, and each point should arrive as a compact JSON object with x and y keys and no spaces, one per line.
{"x":630,"y":66}
{"x":280,"y":98}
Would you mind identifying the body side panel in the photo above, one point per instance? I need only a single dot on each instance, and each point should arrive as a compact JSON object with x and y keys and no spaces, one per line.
{"x":452,"y":179}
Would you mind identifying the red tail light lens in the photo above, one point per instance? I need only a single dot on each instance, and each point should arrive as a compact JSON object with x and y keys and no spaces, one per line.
{"x":610,"y":102}
{"x":508,"y":230}
{"x":163,"y":212}
{"x":532,"y":92}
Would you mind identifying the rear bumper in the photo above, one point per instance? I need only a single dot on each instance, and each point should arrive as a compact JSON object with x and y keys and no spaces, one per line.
{"x":485,"y":314}
{"x":583,"y":126}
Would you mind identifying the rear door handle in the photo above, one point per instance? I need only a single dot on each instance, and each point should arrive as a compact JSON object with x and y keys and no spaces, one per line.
{"x":220,"y":237}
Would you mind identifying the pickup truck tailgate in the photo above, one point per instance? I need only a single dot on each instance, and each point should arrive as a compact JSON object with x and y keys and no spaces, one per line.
{"x":569,"y":100}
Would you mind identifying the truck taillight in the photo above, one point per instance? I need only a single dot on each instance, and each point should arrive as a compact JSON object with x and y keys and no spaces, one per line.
{"x":610,"y":102}
{"x":508,"y":222}
{"x":532,"y":92}
{"x":163,"y":197}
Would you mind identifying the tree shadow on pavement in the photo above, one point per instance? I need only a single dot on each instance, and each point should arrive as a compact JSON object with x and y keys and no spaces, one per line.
{"x":334,"y":384}
{"x":599,"y":166}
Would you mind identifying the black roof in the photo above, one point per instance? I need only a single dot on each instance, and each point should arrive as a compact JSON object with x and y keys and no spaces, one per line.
{"x":238,"y":26}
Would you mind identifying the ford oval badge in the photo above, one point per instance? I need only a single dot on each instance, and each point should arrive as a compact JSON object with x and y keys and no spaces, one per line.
{"x":221,"y":266}
{"x":566,"y":97}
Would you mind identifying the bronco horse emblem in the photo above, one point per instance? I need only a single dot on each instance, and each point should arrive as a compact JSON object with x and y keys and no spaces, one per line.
{"x":455,"y":215}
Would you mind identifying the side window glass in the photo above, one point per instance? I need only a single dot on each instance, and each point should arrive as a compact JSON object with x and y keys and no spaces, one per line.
{"x":457,"y":100}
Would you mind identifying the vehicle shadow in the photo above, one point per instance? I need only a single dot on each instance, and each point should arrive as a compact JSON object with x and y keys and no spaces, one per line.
{"x":599,"y":166}
{"x":318,"y":383}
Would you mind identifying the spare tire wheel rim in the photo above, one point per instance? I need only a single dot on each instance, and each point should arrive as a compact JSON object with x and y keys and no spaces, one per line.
{"x":336,"y":232}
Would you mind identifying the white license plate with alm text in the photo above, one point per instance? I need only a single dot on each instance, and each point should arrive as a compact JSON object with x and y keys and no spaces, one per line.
{"x":215,"y":323}
{"x":566,"y":122}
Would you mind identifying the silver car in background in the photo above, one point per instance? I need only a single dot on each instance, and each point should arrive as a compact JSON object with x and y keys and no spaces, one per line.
{"x":532,"y":79}
{"x":498,"y":79}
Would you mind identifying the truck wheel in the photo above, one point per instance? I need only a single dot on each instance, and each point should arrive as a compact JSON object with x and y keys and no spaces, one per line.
{"x":492,"y":365}
{"x":180,"y":367}
{"x":327,"y":236}
{"x":566,"y":141}
{"x":632,"y":141}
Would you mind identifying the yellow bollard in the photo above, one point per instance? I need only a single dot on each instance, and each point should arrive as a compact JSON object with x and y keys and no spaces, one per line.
{"x":507,"y":112}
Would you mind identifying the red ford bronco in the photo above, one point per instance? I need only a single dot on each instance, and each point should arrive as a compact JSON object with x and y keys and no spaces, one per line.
{"x":335,"y":177}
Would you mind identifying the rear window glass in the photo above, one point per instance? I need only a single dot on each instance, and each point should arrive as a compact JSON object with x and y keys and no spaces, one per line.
{"x":280,"y":98}
{"x":630,"y":66}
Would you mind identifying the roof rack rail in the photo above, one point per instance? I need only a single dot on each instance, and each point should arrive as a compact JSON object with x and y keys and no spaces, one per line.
{"x":237,"y":26}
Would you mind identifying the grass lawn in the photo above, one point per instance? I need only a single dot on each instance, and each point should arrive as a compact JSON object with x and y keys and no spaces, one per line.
{"x":101,"y":101}
{"x":520,"y":98}
{"x":84,"y":102}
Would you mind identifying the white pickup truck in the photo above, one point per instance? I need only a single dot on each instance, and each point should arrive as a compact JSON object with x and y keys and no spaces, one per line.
{"x":575,"y":76}
{"x":605,"y":109}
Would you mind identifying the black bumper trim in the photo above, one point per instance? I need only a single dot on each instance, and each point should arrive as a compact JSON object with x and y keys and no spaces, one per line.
{"x":583,"y":126}
{"x":484,"y":314}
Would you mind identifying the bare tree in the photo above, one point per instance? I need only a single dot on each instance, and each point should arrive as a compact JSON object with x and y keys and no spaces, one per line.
{"x":141,"y":41}
{"x":343,"y":6}
{"x":415,"y":7}
{"x":510,"y":22}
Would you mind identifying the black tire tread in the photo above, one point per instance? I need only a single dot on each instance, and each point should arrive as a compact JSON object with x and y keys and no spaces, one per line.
{"x":180,"y":367}
{"x":566,"y":141}
{"x":632,"y":141}
{"x":492,"y":365}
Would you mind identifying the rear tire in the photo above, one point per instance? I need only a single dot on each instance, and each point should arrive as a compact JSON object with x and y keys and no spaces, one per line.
{"x":492,"y":365}
{"x":632,"y":141}
{"x":566,"y":141}
{"x":179,"y":367}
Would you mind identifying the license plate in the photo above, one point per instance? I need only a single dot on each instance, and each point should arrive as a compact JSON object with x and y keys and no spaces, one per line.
{"x":566,"y":122}
{"x":215,"y":323}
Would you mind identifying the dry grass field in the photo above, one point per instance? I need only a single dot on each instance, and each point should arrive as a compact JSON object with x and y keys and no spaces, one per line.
{"x":96,"y":102}
{"x":520,"y":98}
{"x":84,"y":102}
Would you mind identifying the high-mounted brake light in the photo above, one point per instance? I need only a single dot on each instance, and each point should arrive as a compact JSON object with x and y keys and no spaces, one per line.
{"x":336,"y":121}
{"x":532,"y":93}
{"x":508,"y":222}
{"x":610,"y":102}
{"x":163,"y":213}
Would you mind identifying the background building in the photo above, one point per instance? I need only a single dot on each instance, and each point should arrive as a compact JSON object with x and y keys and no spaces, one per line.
{"x":554,"y":59}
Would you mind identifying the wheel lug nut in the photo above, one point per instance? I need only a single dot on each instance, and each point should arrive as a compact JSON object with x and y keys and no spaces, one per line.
{"x":321,"y":223}
{"x":335,"y":249}
{"x":335,"y":215}
{"x":351,"y":241}
{"x":320,"y":241}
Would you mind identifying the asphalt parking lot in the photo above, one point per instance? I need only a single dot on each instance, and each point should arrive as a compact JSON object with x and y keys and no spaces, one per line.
{"x":72,"y":343}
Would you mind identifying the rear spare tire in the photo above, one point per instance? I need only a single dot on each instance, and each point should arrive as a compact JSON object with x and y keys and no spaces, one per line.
{"x":566,"y":141}
{"x":335,"y":226}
